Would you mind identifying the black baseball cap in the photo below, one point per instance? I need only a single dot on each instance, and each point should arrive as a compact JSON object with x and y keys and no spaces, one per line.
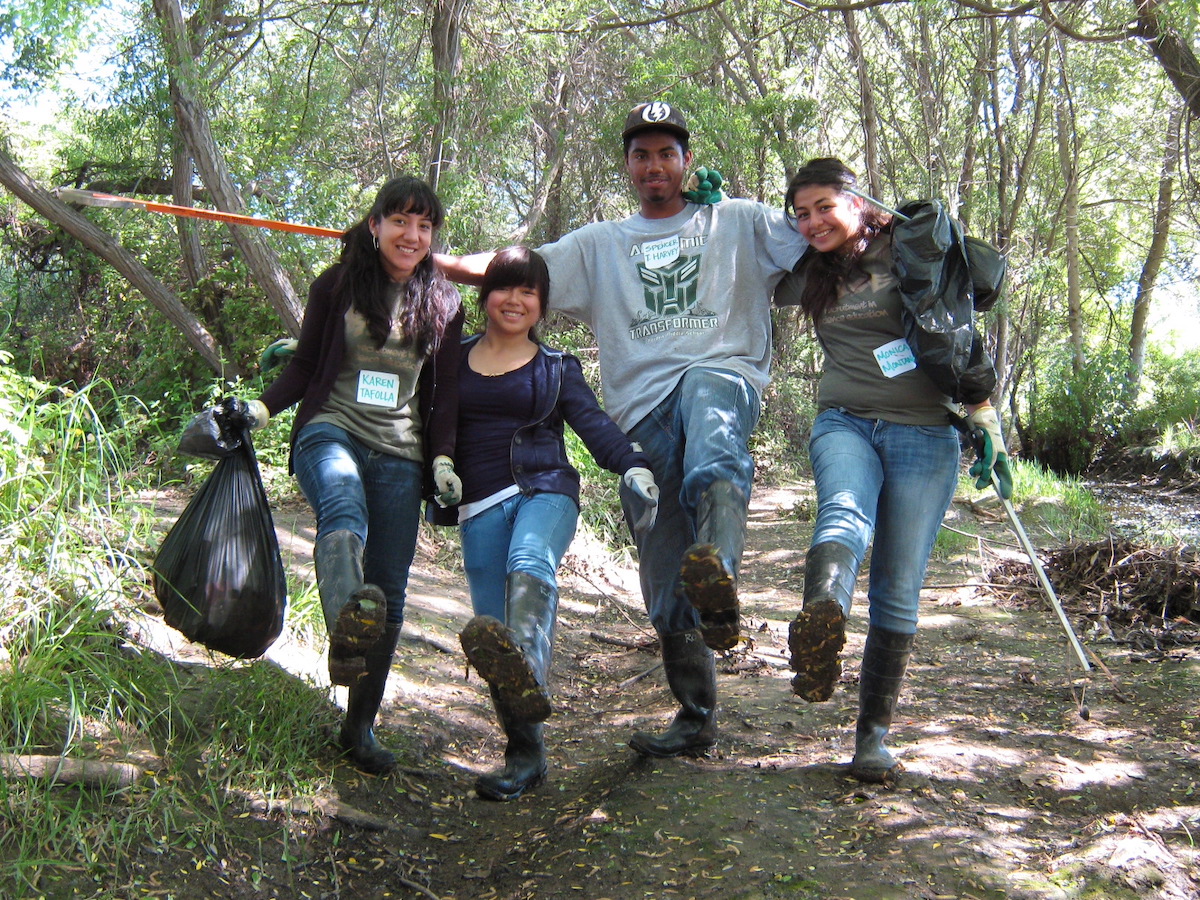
{"x":658,"y":116}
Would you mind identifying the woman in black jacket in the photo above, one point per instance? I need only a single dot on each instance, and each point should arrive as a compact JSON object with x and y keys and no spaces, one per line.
{"x":374,"y":374}
{"x":521,"y":500}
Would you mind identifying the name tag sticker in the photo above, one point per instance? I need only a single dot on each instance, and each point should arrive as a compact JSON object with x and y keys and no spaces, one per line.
{"x":656,"y":254}
{"x":378,"y":388}
{"x":895,"y":358}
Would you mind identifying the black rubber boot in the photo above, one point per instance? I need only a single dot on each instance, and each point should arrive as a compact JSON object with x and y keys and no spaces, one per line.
{"x":692,"y":677}
{"x":710,"y":566}
{"x":524,"y":759}
{"x":818,"y":633}
{"x":357,"y":737}
{"x":354,"y":612}
{"x":885,"y":659}
{"x":514,"y":659}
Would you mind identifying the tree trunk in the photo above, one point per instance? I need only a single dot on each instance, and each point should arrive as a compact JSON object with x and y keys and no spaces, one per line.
{"x":870,"y":111}
{"x":1067,"y":157}
{"x":193,"y":122}
{"x":16,"y":180}
{"x":62,"y":770}
{"x":1177,"y":59}
{"x":191,"y":251}
{"x":1154,"y":256}
{"x":446,"y":34}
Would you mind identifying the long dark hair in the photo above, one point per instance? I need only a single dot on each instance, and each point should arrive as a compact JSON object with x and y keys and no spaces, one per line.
{"x":516,"y":267}
{"x":826,"y":271}
{"x":429,"y":302}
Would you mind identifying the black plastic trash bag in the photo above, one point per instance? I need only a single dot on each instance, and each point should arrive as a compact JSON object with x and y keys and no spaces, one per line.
{"x":944,"y":277}
{"x":218,"y":573}
{"x":216,"y":432}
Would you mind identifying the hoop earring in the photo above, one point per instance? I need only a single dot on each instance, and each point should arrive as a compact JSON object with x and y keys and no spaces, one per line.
{"x":375,"y":239}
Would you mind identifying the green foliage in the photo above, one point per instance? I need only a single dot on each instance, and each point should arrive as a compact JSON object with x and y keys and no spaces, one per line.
{"x":1073,"y":412}
{"x":780,"y":442}
{"x":1170,"y":401}
{"x":312,"y":109}
{"x":74,"y":681}
{"x":600,"y":499}
{"x":1181,"y":439}
{"x":1061,"y":506}
{"x":38,"y":36}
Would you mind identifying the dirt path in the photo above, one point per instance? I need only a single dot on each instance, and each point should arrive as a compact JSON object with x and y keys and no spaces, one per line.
{"x":1011,"y":789}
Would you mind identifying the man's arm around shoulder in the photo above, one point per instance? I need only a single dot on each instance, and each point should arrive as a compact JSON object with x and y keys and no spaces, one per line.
{"x":466,"y":269}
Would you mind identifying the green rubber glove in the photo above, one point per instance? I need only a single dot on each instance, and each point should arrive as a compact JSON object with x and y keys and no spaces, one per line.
{"x":993,"y":458}
{"x":704,"y":186}
{"x":279,"y":353}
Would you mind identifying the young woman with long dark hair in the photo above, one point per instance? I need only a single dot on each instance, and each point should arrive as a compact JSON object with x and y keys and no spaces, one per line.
{"x":375,"y":375}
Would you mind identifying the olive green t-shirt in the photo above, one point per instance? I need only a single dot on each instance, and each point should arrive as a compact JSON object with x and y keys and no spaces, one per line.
{"x":375,"y":395}
{"x":869,"y":370}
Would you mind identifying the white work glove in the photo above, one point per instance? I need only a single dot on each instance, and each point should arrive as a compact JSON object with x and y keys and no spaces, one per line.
{"x":446,"y":481}
{"x":640,"y":480}
{"x":258,"y":415}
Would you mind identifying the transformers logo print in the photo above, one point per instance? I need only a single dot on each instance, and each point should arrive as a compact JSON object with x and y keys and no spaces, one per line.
{"x":670,"y":294}
{"x":671,"y":290}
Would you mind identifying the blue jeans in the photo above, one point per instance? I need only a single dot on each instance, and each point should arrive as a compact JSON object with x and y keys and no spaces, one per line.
{"x":894,"y":480}
{"x":526,"y":534}
{"x":375,"y":495}
{"x":699,"y":434}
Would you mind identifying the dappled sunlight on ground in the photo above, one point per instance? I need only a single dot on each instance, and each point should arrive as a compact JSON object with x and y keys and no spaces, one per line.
{"x":1006,"y":793}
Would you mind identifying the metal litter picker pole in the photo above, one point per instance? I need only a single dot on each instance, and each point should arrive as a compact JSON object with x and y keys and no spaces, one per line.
{"x":113,"y":201}
{"x":887,"y":209}
{"x":976,"y":439}
{"x":1041,"y":574}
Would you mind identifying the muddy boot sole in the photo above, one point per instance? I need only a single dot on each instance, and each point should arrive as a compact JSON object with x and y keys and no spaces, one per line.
{"x":815,"y":638}
{"x":358,"y":628}
{"x":345,"y":668}
{"x":501,"y":662}
{"x":710,"y":588}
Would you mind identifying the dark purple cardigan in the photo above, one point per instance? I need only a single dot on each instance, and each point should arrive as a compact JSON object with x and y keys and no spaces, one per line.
{"x":310,"y":376}
{"x":538,"y":454}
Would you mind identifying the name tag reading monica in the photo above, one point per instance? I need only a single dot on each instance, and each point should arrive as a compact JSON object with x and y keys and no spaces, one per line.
{"x":378,"y":388}
{"x":895,"y":358}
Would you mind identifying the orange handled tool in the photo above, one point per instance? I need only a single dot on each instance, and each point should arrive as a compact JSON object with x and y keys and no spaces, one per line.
{"x":95,"y":198}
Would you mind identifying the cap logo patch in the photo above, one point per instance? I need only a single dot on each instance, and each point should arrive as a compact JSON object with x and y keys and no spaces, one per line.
{"x":656,"y":112}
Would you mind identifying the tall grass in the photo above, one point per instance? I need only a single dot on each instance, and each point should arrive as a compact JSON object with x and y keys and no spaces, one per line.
{"x":75,"y":683}
{"x":1181,"y":439}
{"x":1053,"y":509}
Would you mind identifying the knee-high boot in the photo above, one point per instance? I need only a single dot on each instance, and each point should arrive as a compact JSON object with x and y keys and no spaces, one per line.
{"x":524,"y":758}
{"x":354,"y":612}
{"x":710,"y":566}
{"x":692,"y":676}
{"x":818,"y":633}
{"x":885,"y":660}
{"x":357,"y":738}
{"x":514,"y":659}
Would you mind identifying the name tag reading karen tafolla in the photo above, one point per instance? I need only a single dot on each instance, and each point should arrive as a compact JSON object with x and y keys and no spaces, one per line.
{"x":378,"y":388}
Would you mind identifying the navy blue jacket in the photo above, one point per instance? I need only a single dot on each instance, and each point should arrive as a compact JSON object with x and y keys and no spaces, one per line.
{"x":538,"y":454}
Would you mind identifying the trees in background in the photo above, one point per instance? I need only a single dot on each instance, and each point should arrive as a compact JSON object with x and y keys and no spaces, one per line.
{"x":1059,"y":131}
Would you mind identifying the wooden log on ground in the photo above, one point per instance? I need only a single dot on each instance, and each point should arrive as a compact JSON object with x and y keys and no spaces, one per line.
{"x":64,"y":770}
